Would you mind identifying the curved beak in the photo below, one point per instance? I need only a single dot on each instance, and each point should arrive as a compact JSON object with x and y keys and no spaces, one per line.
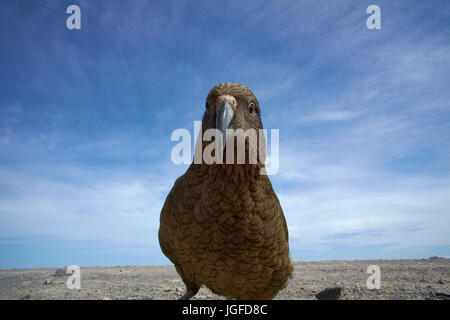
{"x":223,"y":119}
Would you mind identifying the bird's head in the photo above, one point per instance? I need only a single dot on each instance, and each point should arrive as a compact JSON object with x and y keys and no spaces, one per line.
{"x":232,"y":106}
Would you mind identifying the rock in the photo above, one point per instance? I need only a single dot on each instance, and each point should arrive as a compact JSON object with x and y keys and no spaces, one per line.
{"x":332,"y":293}
{"x":106,"y":298}
{"x":178,"y":289}
{"x":440,"y":281}
{"x":443,"y":293}
{"x":48,"y":281}
{"x":27,"y":297}
{"x":61,"y":272}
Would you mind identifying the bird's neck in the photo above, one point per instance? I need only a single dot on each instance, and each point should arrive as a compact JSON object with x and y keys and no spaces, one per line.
{"x":233,"y":173}
{"x":247,"y":172}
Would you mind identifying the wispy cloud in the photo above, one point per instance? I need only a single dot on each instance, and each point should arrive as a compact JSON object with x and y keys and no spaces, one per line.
{"x":86,"y":118}
{"x":81,"y":207}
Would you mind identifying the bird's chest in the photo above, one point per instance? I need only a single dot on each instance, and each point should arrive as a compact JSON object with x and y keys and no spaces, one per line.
{"x":231,"y":217}
{"x":227,"y":202}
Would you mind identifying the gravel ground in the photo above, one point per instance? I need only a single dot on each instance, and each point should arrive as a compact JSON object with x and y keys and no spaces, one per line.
{"x":400,"y":279}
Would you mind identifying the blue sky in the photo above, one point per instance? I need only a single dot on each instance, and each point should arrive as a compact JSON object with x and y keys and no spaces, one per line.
{"x":86,"y":118}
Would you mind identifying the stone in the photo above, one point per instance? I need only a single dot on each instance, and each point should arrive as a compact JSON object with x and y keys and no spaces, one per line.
{"x":61,"y":272}
{"x":332,"y":293}
{"x":443,"y":293}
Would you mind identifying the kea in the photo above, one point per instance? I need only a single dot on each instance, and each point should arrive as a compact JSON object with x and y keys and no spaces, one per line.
{"x":222,"y":225}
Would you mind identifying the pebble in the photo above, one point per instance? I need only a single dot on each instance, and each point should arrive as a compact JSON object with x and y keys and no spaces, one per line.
{"x":332,"y":293}
{"x":443,"y":293}
{"x":60,"y":272}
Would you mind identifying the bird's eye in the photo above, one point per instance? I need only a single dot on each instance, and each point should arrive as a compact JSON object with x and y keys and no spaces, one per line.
{"x":251,"y":108}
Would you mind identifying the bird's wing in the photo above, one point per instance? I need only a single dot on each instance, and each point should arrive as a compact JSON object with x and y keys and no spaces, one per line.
{"x":176,"y":215}
{"x":278,"y":205}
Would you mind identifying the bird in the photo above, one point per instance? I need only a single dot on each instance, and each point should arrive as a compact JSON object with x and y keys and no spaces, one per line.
{"x":222,"y":225}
